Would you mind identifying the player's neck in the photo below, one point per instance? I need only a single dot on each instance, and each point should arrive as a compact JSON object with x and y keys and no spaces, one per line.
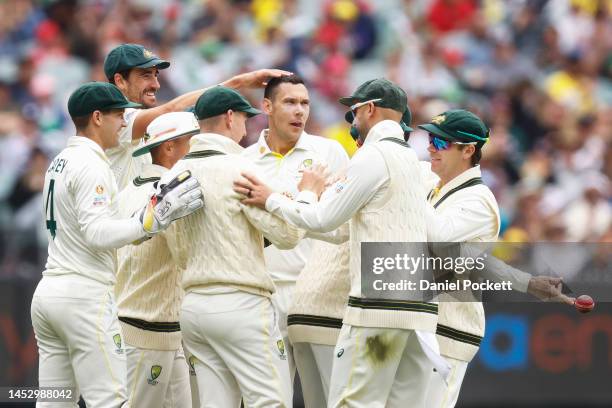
{"x":453,"y":174}
{"x":279,"y":144}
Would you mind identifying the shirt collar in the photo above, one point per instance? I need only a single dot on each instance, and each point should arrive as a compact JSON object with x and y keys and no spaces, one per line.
{"x":149,"y":170}
{"x":460,"y":179}
{"x":214,"y":141}
{"x":385,"y":128}
{"x":263,"y":149}
{"x":76,"y":141}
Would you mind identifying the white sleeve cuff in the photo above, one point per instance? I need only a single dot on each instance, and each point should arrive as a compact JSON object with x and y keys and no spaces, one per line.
{"x":273,"y":203}
{"x":306,"y":197}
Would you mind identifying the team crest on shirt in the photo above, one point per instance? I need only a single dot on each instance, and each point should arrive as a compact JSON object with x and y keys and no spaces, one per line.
{"x":155,"y":372}
{"x":117,"y":341}
{"x":307,"y":163}
{"x":281,"y":349}
{"x":287,"y":194}
{"x":100,"y":197}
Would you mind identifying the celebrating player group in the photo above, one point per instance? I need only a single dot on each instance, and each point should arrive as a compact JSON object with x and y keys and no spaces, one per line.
{"x":185,"y":270}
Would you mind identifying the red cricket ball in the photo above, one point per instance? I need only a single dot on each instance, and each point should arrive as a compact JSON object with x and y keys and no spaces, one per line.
{"x":584,"y":304}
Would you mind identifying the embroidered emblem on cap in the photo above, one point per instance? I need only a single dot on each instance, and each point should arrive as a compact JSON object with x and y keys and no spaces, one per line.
{"x":438,"y":119}
{"x":147,"y":53}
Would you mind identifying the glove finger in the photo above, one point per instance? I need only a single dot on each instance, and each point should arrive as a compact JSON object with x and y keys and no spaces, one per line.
{"x":195,"y":205}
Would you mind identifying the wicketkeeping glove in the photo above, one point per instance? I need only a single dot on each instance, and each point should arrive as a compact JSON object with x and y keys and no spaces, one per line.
{"x":170,"y":201}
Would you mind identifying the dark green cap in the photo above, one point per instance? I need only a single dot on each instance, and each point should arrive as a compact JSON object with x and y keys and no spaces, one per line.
{"x":219,"y":100}
{"x":391,"y":96}
{"x":94,"y":96}
{"x":128,"y":56}
{"x":458,"y":125}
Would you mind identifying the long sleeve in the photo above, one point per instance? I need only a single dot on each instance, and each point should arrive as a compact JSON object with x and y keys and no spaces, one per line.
{"x":278,"y":231}
{"x":366,"y":174}
{"x":461,"y":223}
{"x":101,"y":231}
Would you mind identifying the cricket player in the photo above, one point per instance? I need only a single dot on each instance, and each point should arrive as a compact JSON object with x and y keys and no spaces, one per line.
{"x":227,"y":319}
{"x":463,"y":209}
{"x":73,"y":309}
{"x":148,"y":288}
{"x":315,"y":317}
{"x":380,"y":356}
{"x":134,"y":70}
{"x":281,"y":153}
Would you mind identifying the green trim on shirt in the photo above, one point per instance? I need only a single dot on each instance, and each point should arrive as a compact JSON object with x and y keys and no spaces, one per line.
{"x":396,"y":140}
{"x":311,"y":320}
{"x":161,"y":327}
{"x":203,"y":153}
{"x":139,"y":181}
{"x":459,"y":335}
{"x":386,"y":304}
{"x":471,"y":182}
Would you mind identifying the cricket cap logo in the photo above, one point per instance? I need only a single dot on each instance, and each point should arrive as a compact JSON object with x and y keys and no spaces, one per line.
{"x":438,"y":119}
{"x":147,"y":53}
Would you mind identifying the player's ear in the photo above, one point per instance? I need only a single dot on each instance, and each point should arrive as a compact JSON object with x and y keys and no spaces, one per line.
{"x":229,"y":118}
{"x":96,"y":117}
{"x":266,"y":106}
{"x":120,"y":81}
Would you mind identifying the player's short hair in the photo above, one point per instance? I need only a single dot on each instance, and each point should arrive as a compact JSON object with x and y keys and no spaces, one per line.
{"x":81,"y":122}
{"x":274,"y":83}
{"x":475,"y":158}
{"x":124,"y":74}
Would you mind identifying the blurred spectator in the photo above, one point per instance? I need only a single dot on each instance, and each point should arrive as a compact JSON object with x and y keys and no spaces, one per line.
{"x":539,"y":72}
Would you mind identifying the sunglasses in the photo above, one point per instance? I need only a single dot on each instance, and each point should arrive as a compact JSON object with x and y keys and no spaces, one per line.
{"x":354,"y":107}
{"x":442,"y":144}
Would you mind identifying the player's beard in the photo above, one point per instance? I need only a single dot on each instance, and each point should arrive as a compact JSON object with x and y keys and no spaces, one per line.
{"x":146,"y":100}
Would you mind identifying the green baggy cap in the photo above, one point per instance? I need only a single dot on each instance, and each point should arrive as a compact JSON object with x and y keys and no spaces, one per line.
{"x":94,"y":96}
{"x":458,"y":125}
{"x":391,"y":96}
{"x":219,"y":100}
{"x":128,"y":56}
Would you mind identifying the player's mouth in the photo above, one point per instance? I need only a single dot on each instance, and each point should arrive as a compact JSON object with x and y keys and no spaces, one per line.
{"x":297,"y":125}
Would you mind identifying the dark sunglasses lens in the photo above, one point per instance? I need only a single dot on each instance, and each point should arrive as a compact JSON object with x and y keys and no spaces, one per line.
{"x":439,"y":144}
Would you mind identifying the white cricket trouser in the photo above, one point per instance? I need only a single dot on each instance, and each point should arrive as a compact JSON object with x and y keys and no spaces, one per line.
{"x":439,"y":395}
{"x":193,"y":382}
{"x":157,"y":378}
{"x":379,"y":368}
{"x":238,"y":350}
{"x":282,"y":299}
{"x":314,"y":364}
{"x":79,"y":341}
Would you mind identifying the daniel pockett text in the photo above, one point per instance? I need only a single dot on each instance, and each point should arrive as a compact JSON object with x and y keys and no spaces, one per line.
{"x":423,"y":271}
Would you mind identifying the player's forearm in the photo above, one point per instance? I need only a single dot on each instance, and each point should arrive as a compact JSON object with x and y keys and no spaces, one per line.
{"x":178,"y":104}
{"x":108,"y":234}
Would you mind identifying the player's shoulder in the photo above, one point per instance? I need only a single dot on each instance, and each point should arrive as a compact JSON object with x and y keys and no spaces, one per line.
{"x":322,"y":143}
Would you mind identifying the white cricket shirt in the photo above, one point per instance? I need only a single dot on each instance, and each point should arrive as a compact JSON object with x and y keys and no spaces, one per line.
{"x":124,"y":166}
{"x":79,"y":210}
{"x":282,"y":174}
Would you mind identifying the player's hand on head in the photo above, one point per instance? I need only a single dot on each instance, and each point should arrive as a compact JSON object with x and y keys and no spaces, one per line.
{"x":255,"y":192}
{"x":548,"y":289}
{"x":255,"y":79}
{"x":314,"y":179}
{"x":175,"y":196}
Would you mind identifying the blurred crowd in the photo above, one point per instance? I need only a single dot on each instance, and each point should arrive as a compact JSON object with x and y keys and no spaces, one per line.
{"x":539,"y":72}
